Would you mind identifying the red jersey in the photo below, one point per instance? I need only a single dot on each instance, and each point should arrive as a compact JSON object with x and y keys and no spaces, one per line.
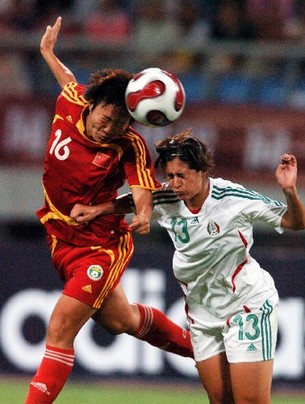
{"x":80,"y":170}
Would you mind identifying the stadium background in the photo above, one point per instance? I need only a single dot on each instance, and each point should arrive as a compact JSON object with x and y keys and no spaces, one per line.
{"x":248,"y":116}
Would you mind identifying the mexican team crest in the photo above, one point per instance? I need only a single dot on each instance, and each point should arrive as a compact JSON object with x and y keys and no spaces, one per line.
{"x":213,"y":228}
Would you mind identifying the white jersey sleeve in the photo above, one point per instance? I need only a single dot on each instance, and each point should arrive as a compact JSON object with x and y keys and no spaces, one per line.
{"x":251,"y":205}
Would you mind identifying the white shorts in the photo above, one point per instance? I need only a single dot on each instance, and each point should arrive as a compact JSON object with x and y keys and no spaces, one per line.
{"x":245,"y":337}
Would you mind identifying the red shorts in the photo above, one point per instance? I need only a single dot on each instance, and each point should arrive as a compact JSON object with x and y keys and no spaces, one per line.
{"x":91,"y":273}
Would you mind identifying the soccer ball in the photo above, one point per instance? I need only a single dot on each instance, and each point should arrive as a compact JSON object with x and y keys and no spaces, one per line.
{"x":155,"y":97}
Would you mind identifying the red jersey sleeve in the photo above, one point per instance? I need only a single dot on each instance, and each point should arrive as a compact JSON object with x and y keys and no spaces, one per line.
{"x":138,"y":165}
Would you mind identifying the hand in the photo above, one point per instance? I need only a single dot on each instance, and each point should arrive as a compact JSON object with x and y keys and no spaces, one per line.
{"x":140,"y":224}
{"x":49,"y":38}
{"x":83,"y":213}
{"x":286,"y":173}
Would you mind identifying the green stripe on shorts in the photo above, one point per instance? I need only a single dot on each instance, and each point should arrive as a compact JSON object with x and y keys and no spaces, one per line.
{"x":266,"y":330}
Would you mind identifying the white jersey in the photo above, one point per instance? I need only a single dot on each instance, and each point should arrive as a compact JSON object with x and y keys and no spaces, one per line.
{"x":212,"y":260}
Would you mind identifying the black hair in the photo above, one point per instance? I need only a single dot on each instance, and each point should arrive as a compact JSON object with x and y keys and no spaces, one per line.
{"x":189,"y":150}
{"x":109,"y":86}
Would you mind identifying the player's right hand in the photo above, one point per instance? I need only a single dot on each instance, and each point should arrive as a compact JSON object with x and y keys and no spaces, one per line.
{"x":140,"y":225}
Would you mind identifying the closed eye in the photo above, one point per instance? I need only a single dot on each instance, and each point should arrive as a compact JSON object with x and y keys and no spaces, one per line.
{"x":179,"y":175}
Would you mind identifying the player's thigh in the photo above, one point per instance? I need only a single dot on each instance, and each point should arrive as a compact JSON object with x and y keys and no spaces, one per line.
{"x":252,"y":336}
{"x":251,"y":382}
{"x":67,"y":318}
{"x":92,"y":273}
{"x":214,"y":374}
{"x":117,"y":315}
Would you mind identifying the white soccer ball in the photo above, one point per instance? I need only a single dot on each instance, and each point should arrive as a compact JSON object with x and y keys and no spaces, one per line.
{"x":155,"y":97}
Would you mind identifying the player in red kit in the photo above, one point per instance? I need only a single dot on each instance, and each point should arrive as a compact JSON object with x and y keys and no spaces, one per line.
{"x":91,"y":153}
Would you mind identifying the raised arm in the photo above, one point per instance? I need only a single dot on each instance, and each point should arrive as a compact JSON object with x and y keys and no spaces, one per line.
{"x":62,"y":74}
{"x":286,"y":175}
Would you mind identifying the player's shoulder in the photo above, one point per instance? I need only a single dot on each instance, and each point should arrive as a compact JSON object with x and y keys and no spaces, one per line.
{"x":73,"y":93}
{"x":222,"y":188}
{"x":132,"y":139}
{"x":223,"y":183}
{"x":228,"y":190}
{"x":132,"y":134}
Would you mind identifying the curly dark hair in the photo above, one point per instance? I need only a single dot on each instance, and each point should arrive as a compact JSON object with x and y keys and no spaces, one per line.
{"x":109,"y":86}
{"x":188,"y":148}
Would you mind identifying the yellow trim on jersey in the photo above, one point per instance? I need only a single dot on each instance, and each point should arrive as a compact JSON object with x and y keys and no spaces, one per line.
{"x":81,"y":128}
{"x":149,"y":188}
{"x":57,"y":117}
{"x":143,"y":171}
{"x":116,"y":267}
{"x":55,"y":214}
{"x":54,"y":244}
{"x":71,"y":94}
{"x":115,"y":147}
{"x":144,"y":174}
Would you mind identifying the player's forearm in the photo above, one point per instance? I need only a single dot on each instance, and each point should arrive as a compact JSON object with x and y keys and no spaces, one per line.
{"x":85,"y":213}
{"x":62,"y":73}
{"x":286,"y":175}
{"x":294,"y":218}
{"x":118,"y":206}
{"x":47,"y":44}
{"x":142,"y":199}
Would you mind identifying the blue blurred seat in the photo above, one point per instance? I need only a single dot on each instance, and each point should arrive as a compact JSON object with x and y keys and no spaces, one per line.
{"x":235,"y":88}
{"x":271,"y":91}
{"x":196,"y":86}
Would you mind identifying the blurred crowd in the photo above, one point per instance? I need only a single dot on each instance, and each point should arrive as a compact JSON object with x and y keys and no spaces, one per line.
{"x":168,"y":33}
{"x":119,"y":21}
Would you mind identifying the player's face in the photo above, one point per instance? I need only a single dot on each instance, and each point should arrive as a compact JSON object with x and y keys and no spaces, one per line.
{"x":189,"y":185}
{"x":105,"y":122}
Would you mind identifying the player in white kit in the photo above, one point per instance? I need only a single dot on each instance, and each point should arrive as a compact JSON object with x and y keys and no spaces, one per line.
{"x":231,"y":302}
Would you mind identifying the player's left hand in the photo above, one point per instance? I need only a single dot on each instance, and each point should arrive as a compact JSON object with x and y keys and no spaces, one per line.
{"x":286,"y":173}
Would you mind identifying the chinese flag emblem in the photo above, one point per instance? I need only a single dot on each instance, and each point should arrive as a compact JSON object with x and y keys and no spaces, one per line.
{"x":102,"y":160}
